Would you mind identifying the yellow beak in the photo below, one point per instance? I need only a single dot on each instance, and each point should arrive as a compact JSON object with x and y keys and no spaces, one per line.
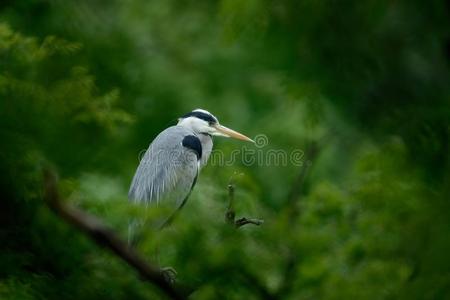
{"x":222,"y":130}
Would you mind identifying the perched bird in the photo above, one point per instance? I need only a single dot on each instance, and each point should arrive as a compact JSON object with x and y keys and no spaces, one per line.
{"x":169,"y":169}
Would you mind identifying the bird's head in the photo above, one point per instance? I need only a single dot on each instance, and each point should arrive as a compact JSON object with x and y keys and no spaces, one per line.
{"x":203,"y":122}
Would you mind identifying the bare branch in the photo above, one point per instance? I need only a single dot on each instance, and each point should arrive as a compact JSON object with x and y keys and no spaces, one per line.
{"x":230,"y":215}
{"x":105,"y":237}
{"x":244,"y":221}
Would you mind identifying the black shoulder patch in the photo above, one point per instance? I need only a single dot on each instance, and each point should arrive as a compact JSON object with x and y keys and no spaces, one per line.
{"x":201,"y":115}
{"x":192,"y":142}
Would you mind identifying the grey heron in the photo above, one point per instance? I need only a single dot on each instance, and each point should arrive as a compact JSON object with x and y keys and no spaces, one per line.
{"x":169,"y":168}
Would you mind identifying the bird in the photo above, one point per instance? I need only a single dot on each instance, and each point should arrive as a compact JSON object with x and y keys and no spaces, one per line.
{"x":168,"y":171}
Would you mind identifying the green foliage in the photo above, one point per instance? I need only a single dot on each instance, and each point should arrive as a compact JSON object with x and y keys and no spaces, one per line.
{"x":85,"y":87}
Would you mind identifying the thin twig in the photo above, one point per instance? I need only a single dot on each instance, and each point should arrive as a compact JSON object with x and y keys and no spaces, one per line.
{"x":244,"y":221}
{"x":105,"y":237}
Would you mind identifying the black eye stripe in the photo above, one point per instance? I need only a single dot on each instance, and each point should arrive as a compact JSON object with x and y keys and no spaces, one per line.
{"x":201,"y":115}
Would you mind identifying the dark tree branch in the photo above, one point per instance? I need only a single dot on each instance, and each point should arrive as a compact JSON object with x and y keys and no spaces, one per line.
{"x":256,"y":284}
{"x":105,"y":237}
{"x":230,"y":215}
{"x":299,"y":183}
{"x":244,"y":221}
{"x":293,"y":201}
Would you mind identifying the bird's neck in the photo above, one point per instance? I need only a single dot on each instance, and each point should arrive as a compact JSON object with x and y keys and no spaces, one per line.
{"x":207,"y":145}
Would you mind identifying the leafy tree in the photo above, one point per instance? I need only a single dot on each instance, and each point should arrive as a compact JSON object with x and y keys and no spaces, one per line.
{"x":361,"y":89}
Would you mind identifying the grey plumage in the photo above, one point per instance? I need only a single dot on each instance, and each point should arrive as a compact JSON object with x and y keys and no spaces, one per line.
{"x":166,"y":165}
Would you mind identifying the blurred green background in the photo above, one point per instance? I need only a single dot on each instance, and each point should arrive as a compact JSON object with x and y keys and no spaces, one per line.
{"x":361,"y":87}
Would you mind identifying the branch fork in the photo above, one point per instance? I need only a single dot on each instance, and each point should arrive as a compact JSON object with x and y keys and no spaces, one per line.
{"x":230,"y":215}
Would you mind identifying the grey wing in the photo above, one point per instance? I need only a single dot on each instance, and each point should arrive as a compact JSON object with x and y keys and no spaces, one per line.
{"x":167,"y":171}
